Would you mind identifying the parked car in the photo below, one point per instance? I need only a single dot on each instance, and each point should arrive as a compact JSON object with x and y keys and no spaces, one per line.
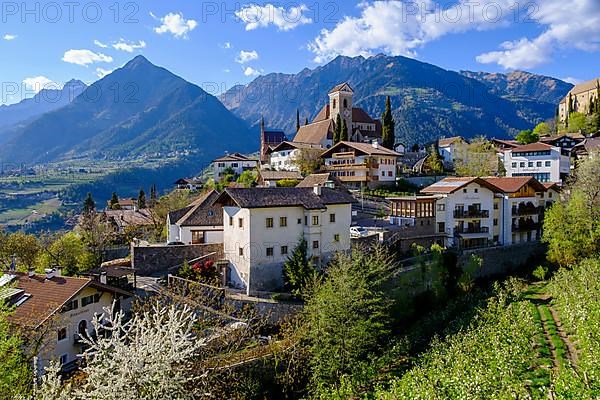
{"x":358,"y":232}
{"x":175,"y":244}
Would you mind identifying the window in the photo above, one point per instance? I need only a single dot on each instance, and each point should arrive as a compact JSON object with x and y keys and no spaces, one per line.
{"x":269,"y":222}
{"x":230,"y":221}
{"x":336,"y":237}
{"x":495,"y":206}
{"x":315,"y":220}
{"x":269,"y":252}
{"x":476,"y":190}
{"x":514,"y":165}
{"x":198,"y":237}
{"x":332,"y":218}
{"x":334,"y":103}
{"x":284,"y":250}
{"x":548,"y":163}
{"x":382,"y":173}
{"x":530,"y":164}
{"x":464,"y":190}
{"x":441,"y":207}
{"x":305,"y":220}
{"x":90,"y":299}
{"x":241,"y":222}
{"x":315,"y":244}
{"x":495,"y":221}
{"x":282,"y":221}
{"x":241,"y":252}
{"x":61,"y":334}
{"x":522,"y":164}
{"x":299,"y":221}
{"x":63,"y":359}
{"x":538,"y":164}
{"x":441,"y":227}
{"x":71,"y":305}
{"x":389,"y":173}
{"x":550,"y":194}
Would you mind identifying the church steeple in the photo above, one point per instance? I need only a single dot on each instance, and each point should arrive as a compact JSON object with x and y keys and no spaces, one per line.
{"x":340,"y":103}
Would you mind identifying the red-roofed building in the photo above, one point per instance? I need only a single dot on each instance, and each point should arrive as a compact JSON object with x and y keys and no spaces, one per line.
{"x":58,"y":309}
{"x":544,"y":162}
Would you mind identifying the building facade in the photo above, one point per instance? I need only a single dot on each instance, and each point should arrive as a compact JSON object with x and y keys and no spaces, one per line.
{"x":451,"y":149}
{"x":579,"y":99}
{"x":201,"y":222}
{"x":544,"y":162}
{"x":263,"y":226}
{"x":283,"y":156}
{"x":361,"y":164}
{"x":236,"y":162}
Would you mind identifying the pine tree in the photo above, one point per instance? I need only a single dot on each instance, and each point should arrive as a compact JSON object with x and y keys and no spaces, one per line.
{"x":298,"y":270}
{"x":344,"y":132}
{"x":297,"y":120}
{"x":337,"y":134}
{"x":141,"y":199}
{"x":89,"y":205}
{"x":114,"y":202}
{"x":153,"y":197}
{"x":388,"y":134}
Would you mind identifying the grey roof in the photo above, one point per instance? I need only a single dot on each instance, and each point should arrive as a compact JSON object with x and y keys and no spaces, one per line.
{"x":202,"y":212}
{"x":313,"y":180}
{"x":267,"y":175}
{"x":285,"y":197}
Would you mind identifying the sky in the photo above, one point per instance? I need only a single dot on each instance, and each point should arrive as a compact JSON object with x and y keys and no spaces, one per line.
{"x":217,"y":44}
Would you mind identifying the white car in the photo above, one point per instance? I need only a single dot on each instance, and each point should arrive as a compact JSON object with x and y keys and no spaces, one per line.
{"x":358,"y":232}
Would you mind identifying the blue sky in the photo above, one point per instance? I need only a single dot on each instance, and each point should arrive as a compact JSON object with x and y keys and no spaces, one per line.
{"x":218,"y":44}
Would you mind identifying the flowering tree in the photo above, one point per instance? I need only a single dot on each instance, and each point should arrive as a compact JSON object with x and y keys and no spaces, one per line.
{"x":143,"y":358}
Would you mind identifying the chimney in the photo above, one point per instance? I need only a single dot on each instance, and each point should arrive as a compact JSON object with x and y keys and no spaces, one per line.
{"x":103,"y":277}
{"x":317,"y":190}
{"x":31,"y":274}
{"x":375,"y":144}
{"x":50,"y":272}
{"x":58,"y":270}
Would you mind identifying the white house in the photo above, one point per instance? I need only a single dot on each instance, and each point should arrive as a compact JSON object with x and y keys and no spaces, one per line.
{"x":263,"y":226}
{"x":56,"y":310}
{"x":357,"y":164}
{"x":452,"y":149}
{"x":237,"y":162}
{"x":464,"y":211}
{"x":199,"y":223}
{"x":544,"y":162}
{"x":283,"y":156}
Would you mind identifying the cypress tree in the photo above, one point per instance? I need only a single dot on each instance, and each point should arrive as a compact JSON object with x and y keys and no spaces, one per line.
{"x":337,"y":134}
{"x":297,"y":120}
{"x":344,"y":132}
{"x":89,"y":205}
{"x":114,"y":202}
{"x":142,"y":199}
{"x":306,"y":121}
{"x":388,"y":135}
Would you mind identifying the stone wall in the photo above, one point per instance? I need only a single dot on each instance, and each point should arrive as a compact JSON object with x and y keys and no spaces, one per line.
{"x":158,"y":259}
{"x":502,"y":260}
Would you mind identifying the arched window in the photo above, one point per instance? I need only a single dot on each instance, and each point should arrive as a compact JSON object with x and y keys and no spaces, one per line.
{"x":334,"y":103}
{"x":345,"y":103}
{"x":82,"y":328}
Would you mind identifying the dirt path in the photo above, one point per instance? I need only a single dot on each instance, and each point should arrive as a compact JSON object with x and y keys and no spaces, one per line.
{"x":571,"y":349}
{"x":555,"y":364}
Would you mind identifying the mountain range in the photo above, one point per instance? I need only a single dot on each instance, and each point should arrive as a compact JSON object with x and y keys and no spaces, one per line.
{"x":46,"y":100}
{"x":142,"y":109}
{"x":428,"y":102}
{"x":136,"y":110}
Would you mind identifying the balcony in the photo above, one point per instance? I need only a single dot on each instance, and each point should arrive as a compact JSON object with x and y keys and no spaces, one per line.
{"x":527,"y":209}
{"x":472,"y":213}
{"x":526,"y":226}
{"x":472,"y":231}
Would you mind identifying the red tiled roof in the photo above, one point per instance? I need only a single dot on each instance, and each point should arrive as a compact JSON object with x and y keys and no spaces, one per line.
{"x":360,"y":115}
{"x":451,"y":185}
{"x":513,"y":184}
{"x":365,"y":148}
{"x":532,"y":147}
{"x":315,"y":133}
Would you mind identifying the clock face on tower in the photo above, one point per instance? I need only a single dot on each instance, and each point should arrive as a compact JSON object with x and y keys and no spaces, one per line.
{"x":346,"y":113}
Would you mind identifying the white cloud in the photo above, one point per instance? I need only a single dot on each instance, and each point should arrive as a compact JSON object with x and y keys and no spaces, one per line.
{"x":85,"y":57}
{"x":249,"y":71}
{"x":38,"y":83}
{"x":227,"y":70}
{"x":175,"y":24}
{"x":128,"y":47}
{"x":246,"y":56}
{"x":9,"y":37}
{"x":226,"y":45}
{"x":571,"y":80}
{"x":101,"y":72}
{"x":100,"y":44}
{"x":255,"y":16}
{"x":401,"y":28}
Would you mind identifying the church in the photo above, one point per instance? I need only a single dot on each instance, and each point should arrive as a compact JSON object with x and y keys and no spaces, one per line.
{"x":320,"y":131}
